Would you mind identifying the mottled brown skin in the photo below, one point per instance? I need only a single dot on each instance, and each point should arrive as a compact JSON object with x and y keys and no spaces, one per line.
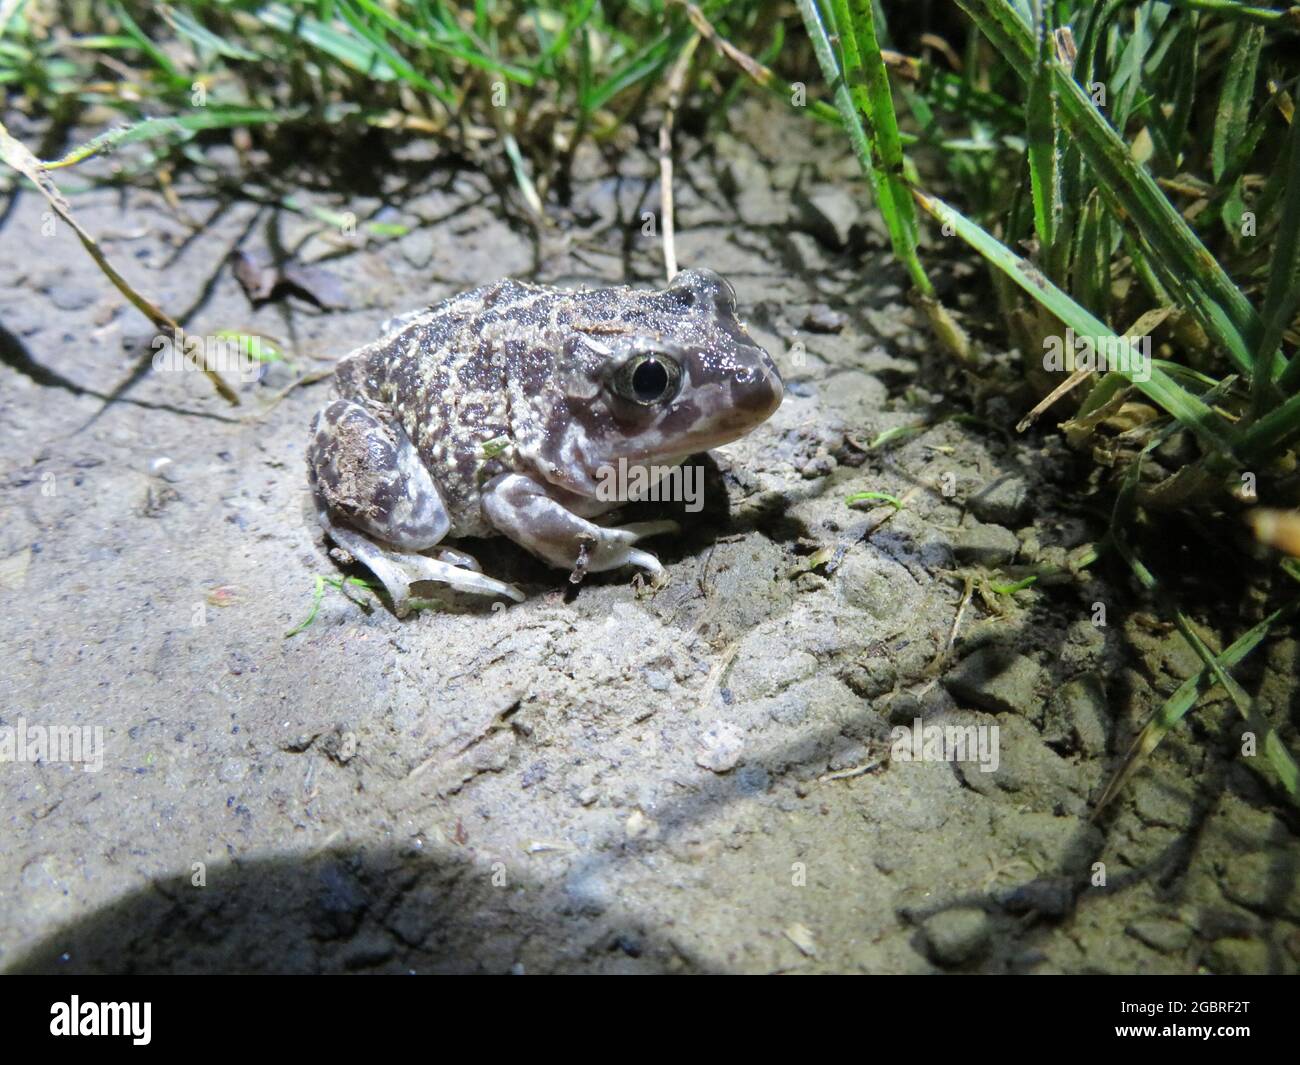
{"x":496,"y":411}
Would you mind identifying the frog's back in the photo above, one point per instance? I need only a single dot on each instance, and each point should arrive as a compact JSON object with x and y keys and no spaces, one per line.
{"x":396,"y":364}
{"x":443,"y":373}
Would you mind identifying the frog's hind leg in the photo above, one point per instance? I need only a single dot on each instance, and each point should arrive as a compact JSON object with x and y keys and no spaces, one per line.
{"x":371,"y":485}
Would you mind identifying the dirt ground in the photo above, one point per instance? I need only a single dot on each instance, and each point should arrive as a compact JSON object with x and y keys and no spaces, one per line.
{"x":613,"y":780}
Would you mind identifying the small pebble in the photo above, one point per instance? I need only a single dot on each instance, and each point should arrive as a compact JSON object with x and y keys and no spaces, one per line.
{"x":721,"y":746}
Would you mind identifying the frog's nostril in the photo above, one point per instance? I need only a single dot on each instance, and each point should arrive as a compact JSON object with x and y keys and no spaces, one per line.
{"x":757,"y":390}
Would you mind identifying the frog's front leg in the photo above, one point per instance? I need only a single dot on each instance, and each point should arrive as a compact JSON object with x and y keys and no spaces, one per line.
{"x":523,"y":510}
{"x":377,"y":501}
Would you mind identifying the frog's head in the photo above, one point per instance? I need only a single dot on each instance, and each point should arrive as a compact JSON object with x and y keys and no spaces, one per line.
{"x":678,"y":375}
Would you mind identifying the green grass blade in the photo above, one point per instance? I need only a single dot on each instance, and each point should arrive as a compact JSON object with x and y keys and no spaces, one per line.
{"x":465,"y":48}
{"x":1274,"y":749}
{"x":390,"y":56}
{"x":1233,"y":9}
{"x":8,"y":9}
{"x":1173,"y":126}
{"x":1282,"y":298}
{"x":649,"y":60}
{"x":1126,"y":81}
{"x":358,"y":55}
{"x":1090,"y":261}
{"x":1044,"y":154}
{"x":1203,"y":284}
{"x":1233,"y":114}
{"x":868,"y":81}
{"x":191,"y":29}
{"x":1176,"y":401}
{"x":1231,"y":122}
{"x":145,"y":45}
{"x":1176,"y":707}
{"x":874,"y":497}
{"x":213,"y":118}
{"x":862,"y":147}
{"x":1276,"y":429}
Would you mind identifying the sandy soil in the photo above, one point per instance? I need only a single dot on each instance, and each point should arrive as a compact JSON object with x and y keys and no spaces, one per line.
{"x":698,"y":778}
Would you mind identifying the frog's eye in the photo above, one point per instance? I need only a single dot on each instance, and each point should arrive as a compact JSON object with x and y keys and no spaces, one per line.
{"x":648,"y":379}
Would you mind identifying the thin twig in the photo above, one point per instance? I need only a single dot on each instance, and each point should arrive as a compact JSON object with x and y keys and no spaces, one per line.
{"x":1055,"y":394}
{"x":21,"y":159}
{"x":676,"y":80}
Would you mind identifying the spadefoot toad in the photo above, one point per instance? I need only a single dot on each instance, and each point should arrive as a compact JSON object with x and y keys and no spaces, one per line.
{"x":498,"y":411}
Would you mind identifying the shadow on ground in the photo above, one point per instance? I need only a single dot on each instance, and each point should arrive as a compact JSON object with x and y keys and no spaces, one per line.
{"x":380,"y":910}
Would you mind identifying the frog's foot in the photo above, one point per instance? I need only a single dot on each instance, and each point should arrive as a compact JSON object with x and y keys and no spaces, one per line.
{"x":615,"y":549}
{"x":520,"y":508}
{"x":398,"y":570}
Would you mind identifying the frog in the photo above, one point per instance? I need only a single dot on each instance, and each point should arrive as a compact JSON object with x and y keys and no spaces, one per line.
{"x":501,"y":411}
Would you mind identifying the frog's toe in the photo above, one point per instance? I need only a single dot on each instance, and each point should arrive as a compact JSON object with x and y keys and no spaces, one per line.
{"x":459,"y":577}
{"x":646,"y":561}
{"x":455,"y":557}
{"x":641,"y":530}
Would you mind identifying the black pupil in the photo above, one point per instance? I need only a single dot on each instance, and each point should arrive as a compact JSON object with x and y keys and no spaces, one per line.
{"x":649,"y":380}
